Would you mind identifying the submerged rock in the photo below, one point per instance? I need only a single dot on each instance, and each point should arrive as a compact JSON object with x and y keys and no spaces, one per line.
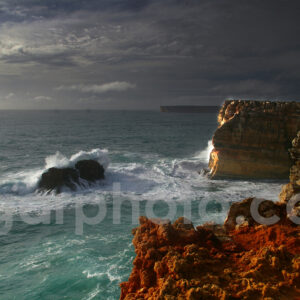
{"x":54,"y":179}
{"x":253,"y":139}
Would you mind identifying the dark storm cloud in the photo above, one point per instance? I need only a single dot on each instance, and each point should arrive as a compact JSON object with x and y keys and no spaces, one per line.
{"x":19,"y":10}
{"x":174,"y":52}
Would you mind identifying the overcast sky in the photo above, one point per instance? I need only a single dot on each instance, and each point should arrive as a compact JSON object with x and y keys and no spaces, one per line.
{"x":140,"y":54}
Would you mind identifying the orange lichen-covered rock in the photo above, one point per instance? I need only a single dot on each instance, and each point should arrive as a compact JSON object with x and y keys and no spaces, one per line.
{"x":178,"y":261}
{"x":253,"y":139}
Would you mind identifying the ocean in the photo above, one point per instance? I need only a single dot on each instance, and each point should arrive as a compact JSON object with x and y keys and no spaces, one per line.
{"x":153,"y":166}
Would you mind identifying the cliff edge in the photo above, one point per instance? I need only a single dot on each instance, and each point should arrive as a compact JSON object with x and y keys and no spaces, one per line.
{"x":177,"y":261}
{"x":253,"y":139}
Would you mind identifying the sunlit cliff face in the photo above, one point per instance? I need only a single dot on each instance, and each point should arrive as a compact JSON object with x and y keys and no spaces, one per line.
{"x":227,"y":112}
{"x":253,"y":138}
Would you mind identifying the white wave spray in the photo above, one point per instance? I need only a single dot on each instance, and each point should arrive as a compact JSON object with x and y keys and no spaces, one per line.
{"x":205,"y":154}
{"x":165,"y":179}
{"x":58,"y":160}
{"x":26,"y":181}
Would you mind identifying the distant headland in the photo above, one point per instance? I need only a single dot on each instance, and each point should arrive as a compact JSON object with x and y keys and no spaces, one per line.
{"x":190,"y":109}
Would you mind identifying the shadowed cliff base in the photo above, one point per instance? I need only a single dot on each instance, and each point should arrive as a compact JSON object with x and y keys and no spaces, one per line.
{"x":253,"y":139}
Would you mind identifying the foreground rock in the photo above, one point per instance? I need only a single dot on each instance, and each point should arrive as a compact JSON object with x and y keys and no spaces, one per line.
{"x":253,"y":139}
{"x":178,"y":261}
{"x":293,"y":187}
{"x":55,"y":179}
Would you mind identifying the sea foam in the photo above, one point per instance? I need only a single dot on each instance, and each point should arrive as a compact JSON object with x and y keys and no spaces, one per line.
{"x":25,"y":181}
{"x":152,"y":178}
{"x":59,"y":160}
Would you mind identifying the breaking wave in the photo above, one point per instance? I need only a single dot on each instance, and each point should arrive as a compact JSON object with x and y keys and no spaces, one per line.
{"x":205,"y":154}
{"x":61,"y":161}
{"x":25,"y":181}
{"x":151,"y":178}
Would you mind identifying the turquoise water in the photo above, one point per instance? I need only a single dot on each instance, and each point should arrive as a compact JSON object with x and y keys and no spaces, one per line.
{"x":154,"y":157}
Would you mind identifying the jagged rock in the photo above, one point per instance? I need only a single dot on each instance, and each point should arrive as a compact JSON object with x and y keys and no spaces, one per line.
{"x":254,"y":262}
{"x":90,"y":170}
{"x":288,"y":191}
{"x":240,"y":213}
{"x":54,"y":179}
{"x":293,"y":187}
{"x":253,"y":138}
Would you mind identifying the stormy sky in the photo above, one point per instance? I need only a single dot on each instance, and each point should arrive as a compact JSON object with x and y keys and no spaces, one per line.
{"x":140,"y":54}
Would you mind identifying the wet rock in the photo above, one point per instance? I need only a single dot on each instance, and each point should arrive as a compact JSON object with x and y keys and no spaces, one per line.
{"x":54,"y":179}
{"x":90,"y":170}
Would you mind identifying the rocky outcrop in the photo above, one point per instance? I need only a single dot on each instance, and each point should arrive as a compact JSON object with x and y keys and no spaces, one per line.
{"x":253,"y":139}
{"x":178,"y":261}
{"x":90,"y":170}
{"x":293,"y":187}
{"x":240,"y":213}
{"x":54,"y":179}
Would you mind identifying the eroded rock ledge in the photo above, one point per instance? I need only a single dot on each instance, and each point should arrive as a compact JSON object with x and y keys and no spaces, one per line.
{"x":253,"y":139}
{"x":245,"y":261}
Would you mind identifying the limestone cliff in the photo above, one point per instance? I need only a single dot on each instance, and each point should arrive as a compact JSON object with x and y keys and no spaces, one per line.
{"x":253,"y":139}
{"x":293,"y":187}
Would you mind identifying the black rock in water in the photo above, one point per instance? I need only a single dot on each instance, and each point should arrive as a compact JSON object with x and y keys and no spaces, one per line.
{"x":90,"y":170}
{"x":54,"y":179}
